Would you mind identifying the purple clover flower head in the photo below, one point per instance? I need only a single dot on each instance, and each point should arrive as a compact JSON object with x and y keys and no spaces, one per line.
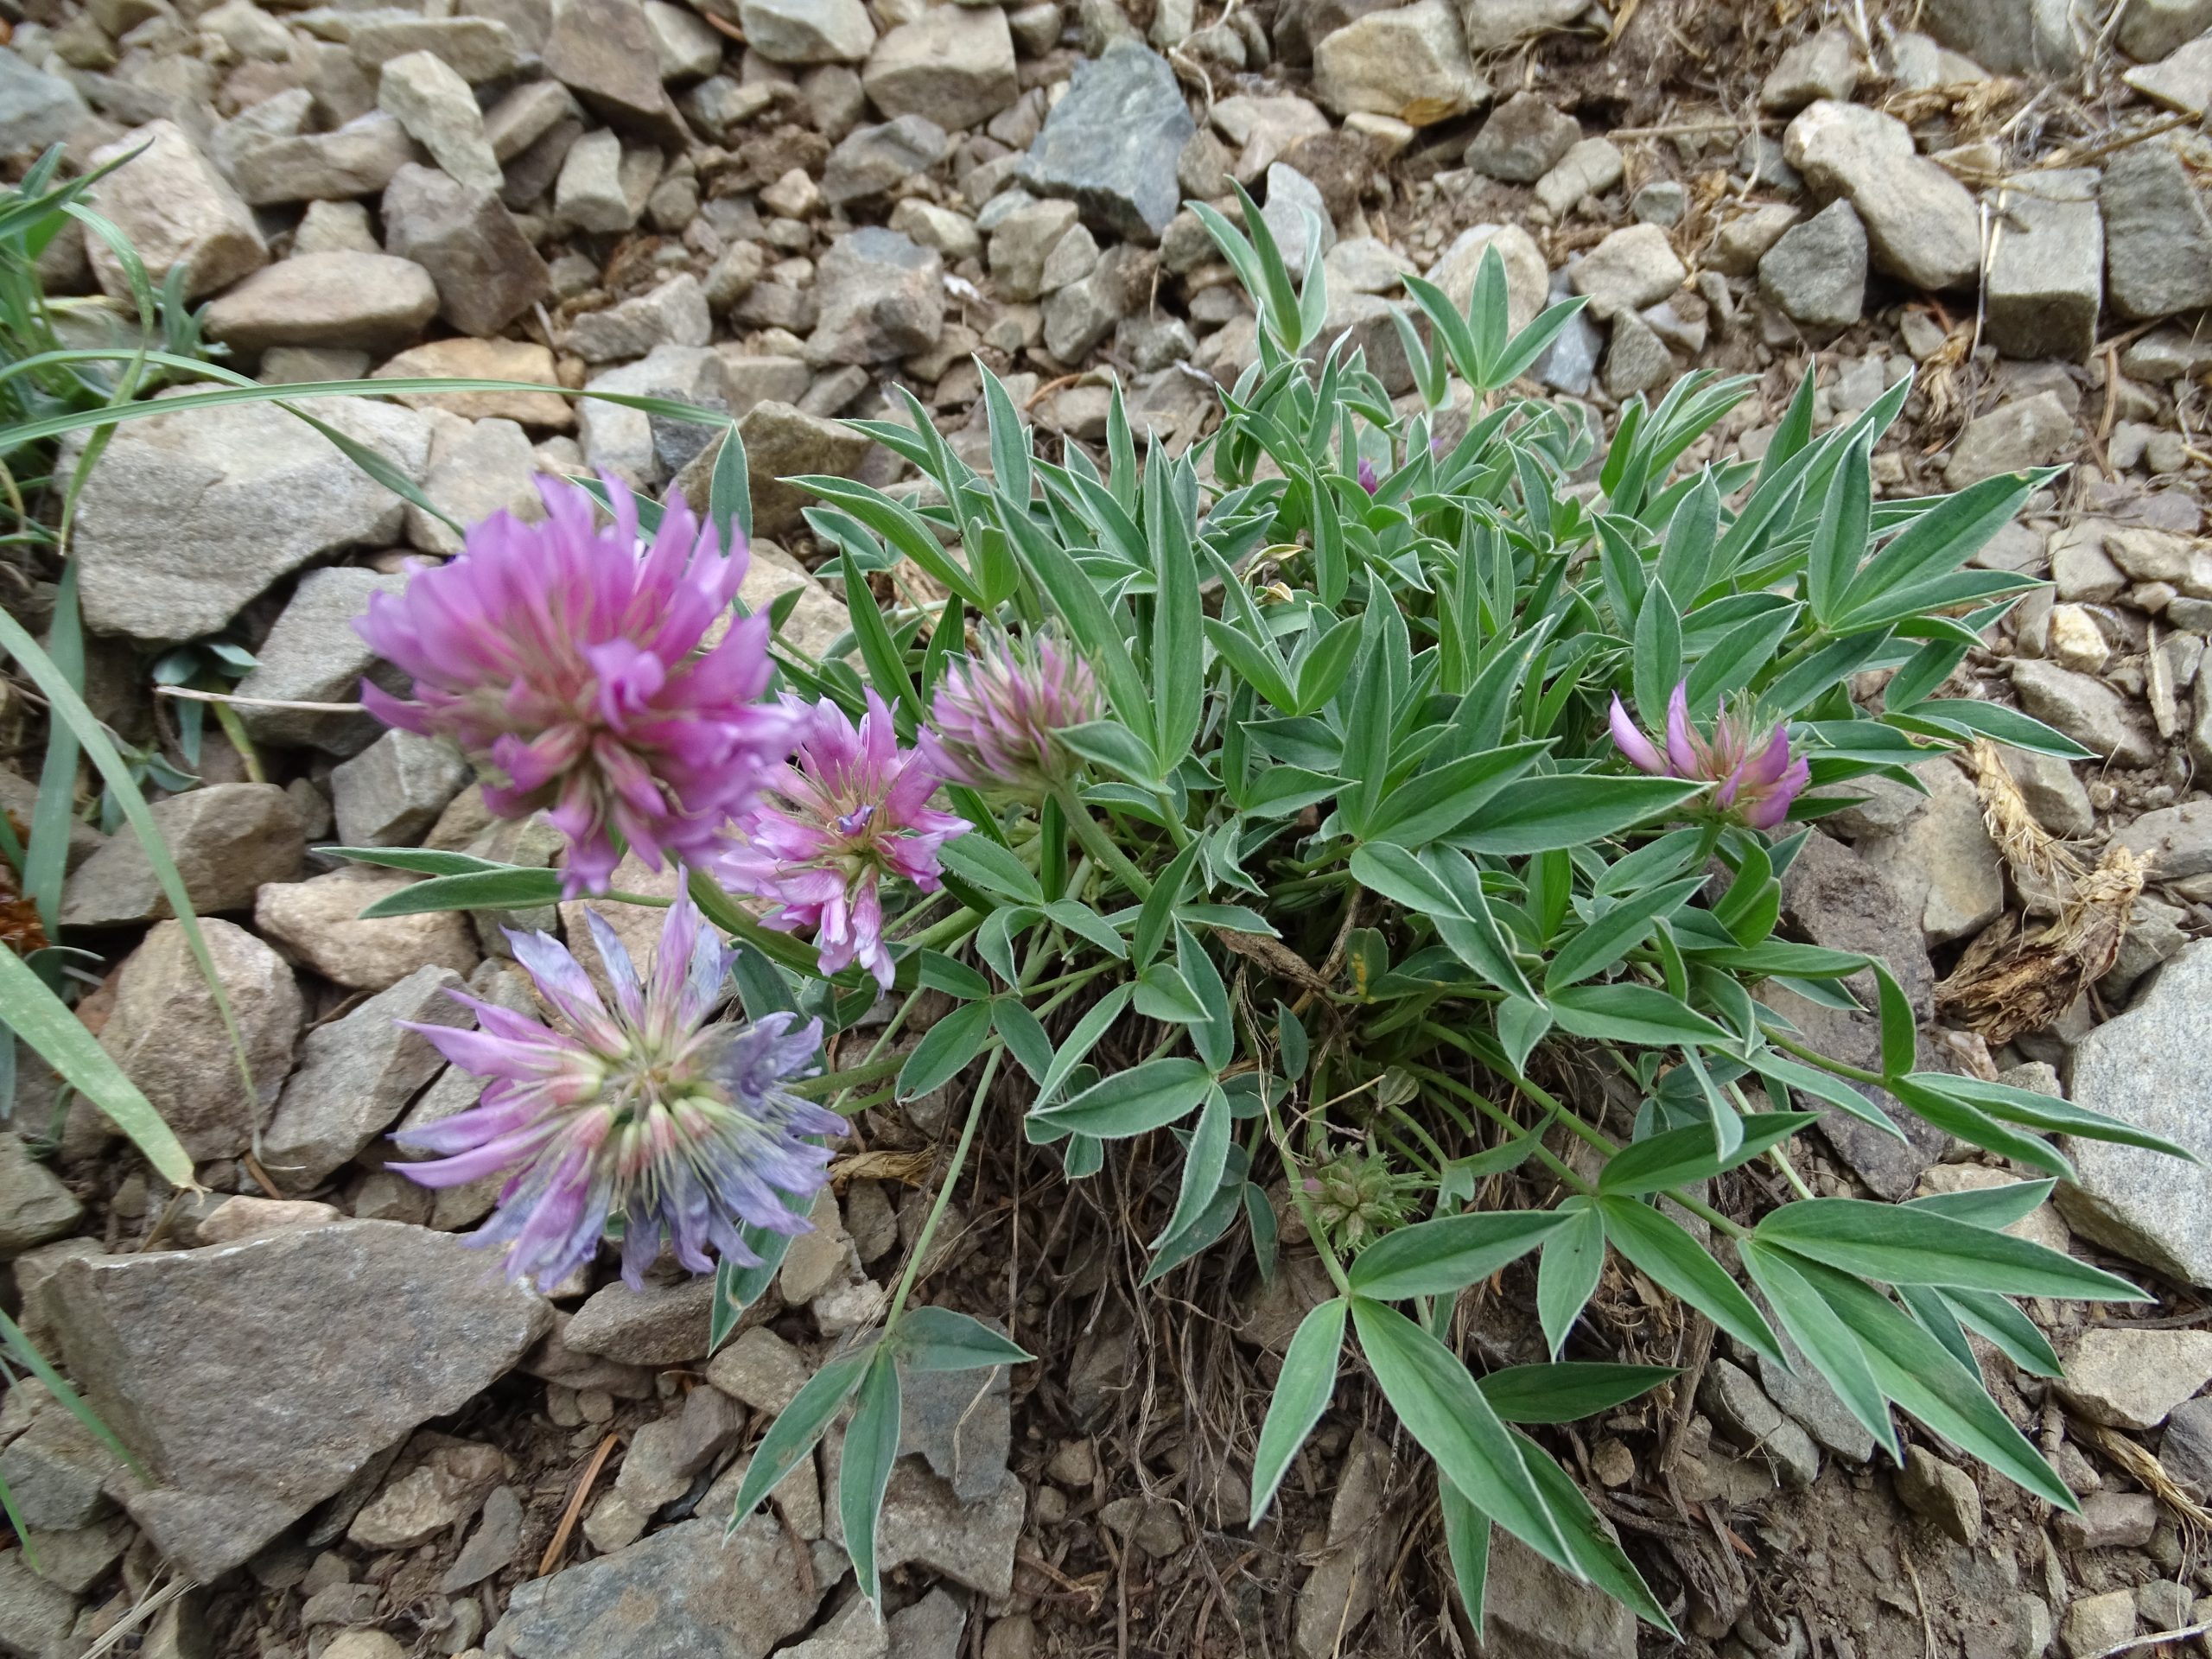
{"x":565,"y":661}
{"x":852,"y":808}
{"x":649,"y":1111}
{"x":1369,"y":479}
{"x":1754,"y":776}
{"x":999,"y":714}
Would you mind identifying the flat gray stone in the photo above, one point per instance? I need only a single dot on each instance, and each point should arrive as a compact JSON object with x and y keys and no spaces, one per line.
{"x":2183,"y":81}
{"x":683,"y":1593}
{"x":355,"y":1077}
{"x":2146,"y":1067}
{"x":357,"y":159}
{"x":1921,"y":223}
{"x":2087,"y":710}
{"x":226,"y":839}
{"x":430,"y":101}
{"x":176,"y":210}
{"x":2013,"y":37}
{"x":2013,"y":438}
{"x":36,"y":110}
{"x":1523,"y":139}
{"x":2046,"y":268}
{"x":35,"y":1207}
{"x":315,"y":654}
{"x":879,"y":296}
{"x":2157,"y":237}
{"x":603,"y":51}
{"x":673,"y":313}
{"x":807,"y":31}
{"x":1410,"y":63}
{"x":2150,"y":29}
{"x":1941,"y":859}
{"x":1815,"y":273}
{"x":871,"y":160}
{"x":190,"y":515}
{"x":367,"y":301}
{"x":486,"y":271}
{"x":1112,"y":142}
{"x":953,"y":64}
{"x":166,"y":1035}
{"x":661,"y":1324}
{"x":253,"y":1380}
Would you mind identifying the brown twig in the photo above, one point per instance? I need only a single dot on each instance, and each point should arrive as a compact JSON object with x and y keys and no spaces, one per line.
{"x":551,"y":1559}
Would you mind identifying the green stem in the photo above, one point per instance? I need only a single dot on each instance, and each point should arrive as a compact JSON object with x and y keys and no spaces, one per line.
{"x":1095,"y":841}
{"x":867,"y":1071}
{"x":1857,"y":1074}
{"x":955,"y":927}
{"x":1295,"y":1179}
{"x":234,"y":729}
{"x":944,"y":1192}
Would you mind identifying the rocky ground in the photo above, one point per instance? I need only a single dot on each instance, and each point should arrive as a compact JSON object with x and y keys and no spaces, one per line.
{"x":356,"y":1444}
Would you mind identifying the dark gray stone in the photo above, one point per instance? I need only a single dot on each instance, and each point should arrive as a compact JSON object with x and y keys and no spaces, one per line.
{"x":1112,"y":143}
{"x":683,"y":1593}
{"x":36,"y":110}
{"x":314,"y":654}
{"x":2157,"y":238}
{"x":869,"y":160}
{"x":1816,"y":271}
{"x":226,"y":839}
{"x":487,"y":274}
{"x":253,"y":1380}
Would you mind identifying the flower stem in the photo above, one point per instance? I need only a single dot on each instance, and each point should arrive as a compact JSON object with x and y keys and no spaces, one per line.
{"x":1294,"y":1178}
{"x":830,"y":1083}
{"x":1096,"y":841}
{"x":944,"y":1192}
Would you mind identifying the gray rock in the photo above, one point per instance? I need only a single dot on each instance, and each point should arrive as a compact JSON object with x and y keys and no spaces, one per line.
{"x":355,"y":1077}
{"x":486,"y":270}
{"x":2054,"y":796}
{"x":491,"y":1547}
{"x":2089,"y":711}
{"x":314,"y":654}
{"x":1637,"y":360}
{"x":1523,"y":139}
{"x":36,"y":1618}
{"x":870,"y":161}
{"x":524,"y":116}
{"x":1081,"y":315}
{"x":1662,"y":202}
{"x":1589,"y":168}
{"x":2149,"y":29}
{"x":2186,"y":1450}
{"x":1411,"y":64}
{"x":2131,"y":1378}
{"x":35,"y":1207}
{"x":924,"y":1523}
{"x":1941,"y":859}
{"x":1825,"y":65}
{"x":2095,"y":1625}
{"x":780,"y":442}
{"x":603,"y":186}
{"x":207,"y":1363}
{"x":1921,"y":223}
{"x":1492,"y":24}
{"x":2145,"y":1067}
{"x":1630,"y":270}
{"x":2181,"y":82}
{"x":680,"y":1591}
{"x":176,"y":209}
{"x":661,"y":1324}
{"x":1804,"y":1395}
{"x":392,"y":791}
{"x":479,"y":47}
{"x":1833,"y":897}
{"x":1021,"y":242}
{"x":603,"y":51}
{"x":36,"y":110}
{"x":2013,"y":37}
{"x":190,"y":515}
{"x":879,"y":296}
{"x":807,"y":31}
{"x":1112,"y":143}
{"x":370,"y":301}
{"x":2108,"y":1521}
{"x":2046,"y":266}
{"x":226,"y":839}
{"x":1745,"y":240}
{"x":1527,"y":281}
{"x":422,"y":92}
{"x":2177,"y":840}
{"x":959,"y":1423}
{"x":2157,"y":238}
{"x":953,"y":64}
{"x":1294,"y":203}
{"x":1815,"y":273}
{"x":2031,"y":432}
{"x":619,"y":440}
{"x":476,"y":470}
{"x":1533,"y":1610}
{"x":930,"y":1629}
{"x":1943,"y":1493}
{"x":356,"y":159}
{"x":685,"y":45}
{"x":674,"y":313}
{"x":166,"y":1035}
{"x":319,"y":922}
{"x":74,"y":1559}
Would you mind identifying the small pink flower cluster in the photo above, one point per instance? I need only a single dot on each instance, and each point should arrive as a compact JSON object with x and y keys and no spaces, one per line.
{"x":1754,"y":778}
{"x":600,"y":679}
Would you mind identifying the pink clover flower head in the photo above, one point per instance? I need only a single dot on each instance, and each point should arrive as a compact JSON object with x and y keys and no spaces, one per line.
{"x":851,"y":808}
{"x":649,"y":1111}
{"x":1754,"y":776}
{"x":569,"y":663}
{"x":1369,"y":479}
{"x":999,"y":714}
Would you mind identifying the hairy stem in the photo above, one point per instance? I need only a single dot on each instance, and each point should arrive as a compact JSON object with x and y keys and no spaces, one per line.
{"x":944,"y":1190}
{"x":1094,"y":840}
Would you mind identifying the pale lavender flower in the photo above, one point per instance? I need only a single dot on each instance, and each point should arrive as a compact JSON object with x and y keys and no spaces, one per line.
{"x":999,"y":714}
{"x":648,"y":1113}
{"x":566,"y":661}
{"x":1368,"y":480}
{"x":1754,"y":776}
{"x":852,"y":808}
